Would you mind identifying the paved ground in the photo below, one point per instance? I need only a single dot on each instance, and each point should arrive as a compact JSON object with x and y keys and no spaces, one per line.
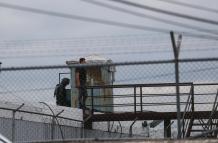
{"x":133,"y":141}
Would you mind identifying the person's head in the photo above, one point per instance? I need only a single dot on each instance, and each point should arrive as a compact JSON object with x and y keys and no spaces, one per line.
{"x":65,"y":81}
{"x":82,"y":60}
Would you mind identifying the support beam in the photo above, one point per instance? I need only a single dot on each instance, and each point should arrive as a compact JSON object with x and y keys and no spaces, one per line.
{"x":130,"y":116}
{"x":87,"y":122}
{"x":167,"y":128}
{"x":176,"y":49}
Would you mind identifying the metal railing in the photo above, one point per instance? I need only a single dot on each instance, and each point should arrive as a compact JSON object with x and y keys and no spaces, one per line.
{"x":211,"y":120}
{"x":213,"y":123}
{"x":187,"y":123}
{"x":135,"y":97}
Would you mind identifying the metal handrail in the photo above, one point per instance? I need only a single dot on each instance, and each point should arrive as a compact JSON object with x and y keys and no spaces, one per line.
{"x":209,"y":128}
{"x":138,"y":85}
{"x":209,"y":125}
{"x":134,"y":95}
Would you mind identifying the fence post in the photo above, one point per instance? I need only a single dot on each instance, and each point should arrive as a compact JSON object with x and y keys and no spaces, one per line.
{"x":130,"y":128}
{"x":53,"y":123}
{"x":13,"y":122}
{"x":52,"y":127}
{"x":55,"y":116}
{"x":134,"y":99}
{"x":0,"y":66}
{"x":176,"y":49}
{"x":13,"y":126}
{"x":192,"y":98}
{"x":141,"y":98}
{"x":167,"y":128}
{"x":92,"y":99}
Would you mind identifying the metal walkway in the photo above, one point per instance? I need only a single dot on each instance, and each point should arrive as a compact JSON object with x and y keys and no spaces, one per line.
{"x":134,"y":110}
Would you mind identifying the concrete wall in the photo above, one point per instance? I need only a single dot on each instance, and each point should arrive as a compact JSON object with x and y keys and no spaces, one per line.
{"x":26,"y":131}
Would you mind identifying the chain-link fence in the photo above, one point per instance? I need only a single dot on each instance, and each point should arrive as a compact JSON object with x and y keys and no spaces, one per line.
{"x":140,"y":100}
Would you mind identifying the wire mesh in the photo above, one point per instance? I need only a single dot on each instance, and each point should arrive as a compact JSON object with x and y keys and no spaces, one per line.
{"x":141,"y":88}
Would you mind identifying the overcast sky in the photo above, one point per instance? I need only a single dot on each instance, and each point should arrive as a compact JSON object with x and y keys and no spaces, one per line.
{"x":16,"y":25}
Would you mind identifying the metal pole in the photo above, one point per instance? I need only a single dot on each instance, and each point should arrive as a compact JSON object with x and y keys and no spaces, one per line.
{"x":130,"y":128}
{"x":135,"y":100}
{"x":62,"y":135}
{"x":178,"y":98}
{"x":121,"y":130}
{"x":13,"y":121}
{"x":176,"y":56}
{"x":52,"y":128}
{"x":92,"y":96}
{"x":53,"y":124}
{"x":83,"y":125}
{"x":13,"y":126}
{"x":59,"y":78}
{"x":141,"y":98}
{"x":0,"y":66}
{"x":167,"y":128}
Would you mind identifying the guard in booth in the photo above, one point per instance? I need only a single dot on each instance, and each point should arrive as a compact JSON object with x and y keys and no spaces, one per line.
{"x":81,"y":78}
{"x":96,"y":75}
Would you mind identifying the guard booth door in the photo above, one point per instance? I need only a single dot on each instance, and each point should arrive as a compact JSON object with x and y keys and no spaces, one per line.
{"x":102,"y":96}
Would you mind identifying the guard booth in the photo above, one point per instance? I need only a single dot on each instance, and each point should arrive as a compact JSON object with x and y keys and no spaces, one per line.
{"x":96,"y":75}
